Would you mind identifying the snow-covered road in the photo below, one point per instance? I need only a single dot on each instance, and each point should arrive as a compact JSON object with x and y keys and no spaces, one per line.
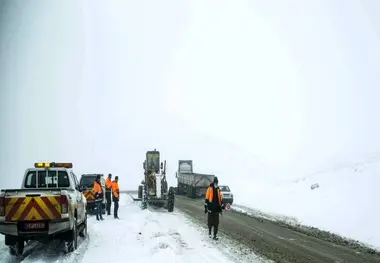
{"x":139,"y":236}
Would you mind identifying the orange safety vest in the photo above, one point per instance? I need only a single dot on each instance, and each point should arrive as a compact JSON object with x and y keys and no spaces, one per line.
{"x":115,"y":189}
{"x":97,"y":188}
{"x":108,"y":185}
{"x":210,"y":194}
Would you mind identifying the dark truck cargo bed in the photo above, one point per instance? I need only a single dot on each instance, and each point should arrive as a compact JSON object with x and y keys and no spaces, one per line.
{"x":193,"y":185}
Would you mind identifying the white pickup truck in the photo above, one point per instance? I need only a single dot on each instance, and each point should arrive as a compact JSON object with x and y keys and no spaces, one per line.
{"x":49,"y":205}
{"x":227,"y":195}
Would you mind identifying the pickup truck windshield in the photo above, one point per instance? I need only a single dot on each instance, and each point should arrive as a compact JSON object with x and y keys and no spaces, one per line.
{"x":87,"y":181}
{"x":224,"y":188}
{"x":41,"y":179}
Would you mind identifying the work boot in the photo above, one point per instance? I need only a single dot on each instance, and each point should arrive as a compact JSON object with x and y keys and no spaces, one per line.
{"x":215,"y":233}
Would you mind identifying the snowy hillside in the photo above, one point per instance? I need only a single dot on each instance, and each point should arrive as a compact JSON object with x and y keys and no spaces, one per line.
{"x":346,"y":202}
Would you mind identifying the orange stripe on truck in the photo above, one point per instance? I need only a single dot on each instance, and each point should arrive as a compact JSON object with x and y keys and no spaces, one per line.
{"x":32,"y":208}
{"x":89,"y":194}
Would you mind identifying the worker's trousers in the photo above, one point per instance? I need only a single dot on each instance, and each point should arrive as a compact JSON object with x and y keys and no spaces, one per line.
{"x":108,"y":199}
{"x":213,"y":221}
{"x":98,"y":208}
{"x":116,"y":208}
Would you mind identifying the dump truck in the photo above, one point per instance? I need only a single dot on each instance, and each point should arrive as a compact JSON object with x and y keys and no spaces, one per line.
{"x":154,"y":188}
{"x":87,"y":185}
{"x":49,"y":205}
{"x":191,"y":184}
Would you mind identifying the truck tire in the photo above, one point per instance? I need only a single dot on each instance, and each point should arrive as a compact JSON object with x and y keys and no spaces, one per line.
{"x":144,"y":201}
{"x":72,"y":243}
{"x":171,"y":198}
{"x":191,"y":192}
{"x":139,"y":192}
{"x":17,"y":249}
{"x":179,"y":189}
{"x":83,"y":233}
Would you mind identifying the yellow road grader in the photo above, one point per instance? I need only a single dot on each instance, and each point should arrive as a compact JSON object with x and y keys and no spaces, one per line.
{"x":154,"y":189}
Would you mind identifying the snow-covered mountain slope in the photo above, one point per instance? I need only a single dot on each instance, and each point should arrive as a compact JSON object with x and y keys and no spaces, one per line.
{"x":345,"y":200}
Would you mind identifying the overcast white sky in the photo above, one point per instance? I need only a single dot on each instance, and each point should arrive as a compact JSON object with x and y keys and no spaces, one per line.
{"x":233,"y":85}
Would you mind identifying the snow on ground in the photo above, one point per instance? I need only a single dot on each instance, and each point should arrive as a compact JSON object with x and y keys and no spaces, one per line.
{"x":139,"y":236}
{"x":347,"y":201}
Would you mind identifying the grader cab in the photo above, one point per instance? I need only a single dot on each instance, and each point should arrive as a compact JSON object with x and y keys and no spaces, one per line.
{"x":154,"y":187}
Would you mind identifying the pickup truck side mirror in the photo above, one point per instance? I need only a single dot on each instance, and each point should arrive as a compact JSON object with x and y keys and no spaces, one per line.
{"x":79,"y":188}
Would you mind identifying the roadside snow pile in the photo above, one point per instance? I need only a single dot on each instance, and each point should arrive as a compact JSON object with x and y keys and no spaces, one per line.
{"x":347,"y":201}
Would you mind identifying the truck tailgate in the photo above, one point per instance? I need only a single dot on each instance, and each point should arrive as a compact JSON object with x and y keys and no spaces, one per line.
{"x":32,"y":204}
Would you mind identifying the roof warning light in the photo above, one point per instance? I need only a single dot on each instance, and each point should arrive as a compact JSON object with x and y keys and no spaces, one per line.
{"x":53,"y":165}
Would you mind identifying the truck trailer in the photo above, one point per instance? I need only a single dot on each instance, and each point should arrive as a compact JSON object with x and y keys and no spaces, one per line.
{"x":191,"y":184}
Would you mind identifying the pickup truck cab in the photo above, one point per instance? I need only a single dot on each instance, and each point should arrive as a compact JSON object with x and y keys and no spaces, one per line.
{"x":226,"y":193}
{"x":87,"y":185}
{"x":49,"y":205}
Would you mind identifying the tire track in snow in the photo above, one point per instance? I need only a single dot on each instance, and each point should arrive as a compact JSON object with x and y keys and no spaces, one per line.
{"x":36,"y":252}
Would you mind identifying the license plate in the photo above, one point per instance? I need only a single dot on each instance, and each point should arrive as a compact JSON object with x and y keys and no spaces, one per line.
{"x":31,"y":226}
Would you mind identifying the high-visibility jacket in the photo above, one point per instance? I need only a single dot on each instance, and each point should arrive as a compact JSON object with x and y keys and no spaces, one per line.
{"x":115,"y":189}
{"x":210,"y":195}
{"x":213,"y":204}
{"x":98,"y":191}
{"x":108,"y":185}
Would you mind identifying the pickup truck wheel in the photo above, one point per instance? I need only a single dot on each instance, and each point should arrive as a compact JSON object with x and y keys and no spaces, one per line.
{"x":17,"y":249}
{"x":12,"y":251}
{"x":83,"y":233}
{"x":73,"y":242}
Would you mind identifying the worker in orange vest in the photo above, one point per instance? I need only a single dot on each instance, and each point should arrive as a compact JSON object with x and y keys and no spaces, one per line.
{"x":213,"y":206}
{"x":108,"y":193}
{"x":98,"y":198}
{"x":115,"y":196}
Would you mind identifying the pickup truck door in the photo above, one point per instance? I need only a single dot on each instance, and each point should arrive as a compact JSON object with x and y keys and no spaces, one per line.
{"x":79,"y":202}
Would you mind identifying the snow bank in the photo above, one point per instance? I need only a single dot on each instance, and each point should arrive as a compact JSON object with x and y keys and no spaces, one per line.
{"x":347,"y":201}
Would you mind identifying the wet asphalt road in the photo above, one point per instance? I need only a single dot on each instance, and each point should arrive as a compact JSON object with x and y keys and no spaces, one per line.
{"x":278,"y":242}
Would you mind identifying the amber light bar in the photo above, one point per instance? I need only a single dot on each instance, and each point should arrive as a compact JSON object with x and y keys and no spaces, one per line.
{"x":52,"y":165}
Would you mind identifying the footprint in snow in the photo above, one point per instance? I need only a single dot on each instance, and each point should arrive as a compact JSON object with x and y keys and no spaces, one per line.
{"x":177,"y":237}
{"x":157,"y":234}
